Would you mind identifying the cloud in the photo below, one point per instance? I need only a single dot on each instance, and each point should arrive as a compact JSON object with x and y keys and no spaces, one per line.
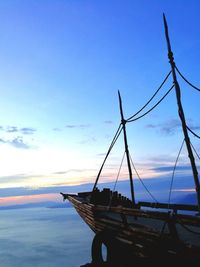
{"x":108,"y":122}
{"x":71,"y":126}
{"x":73,"y":170}
{"x":27,"y":130}
{"x":61,"y":172}
{"x":101,"y":154}
{"x":194,"y":127}
{"x":15,"y":129}
{"x":2,"y":141}
{"x":31,"y":180}
{"x":54,"y":188}
{"x":161,"y":159}
{"x":170,"y":127}
{"x":13,"y":178}
{"x":57,"y":129}
{"x":89,"y":140}
{"x":19,"y":143}
{"x":16,"y":142}
{"x":170,"y":168}
{"x":82,"y":126}
{"x":11,"y":129}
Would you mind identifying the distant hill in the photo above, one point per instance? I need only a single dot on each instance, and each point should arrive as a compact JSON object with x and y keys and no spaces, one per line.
{"x":46,"y":204}
{"x":159,"y":188}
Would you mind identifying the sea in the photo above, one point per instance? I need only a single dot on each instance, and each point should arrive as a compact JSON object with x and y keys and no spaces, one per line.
{"x":44,"y":237}
{"x":55,"y":235}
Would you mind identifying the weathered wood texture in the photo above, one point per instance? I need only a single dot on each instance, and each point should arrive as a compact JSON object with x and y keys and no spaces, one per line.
{"x":143,"y":238}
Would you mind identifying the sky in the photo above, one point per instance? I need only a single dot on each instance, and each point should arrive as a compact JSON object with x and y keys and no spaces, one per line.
{"x":62,"y":64}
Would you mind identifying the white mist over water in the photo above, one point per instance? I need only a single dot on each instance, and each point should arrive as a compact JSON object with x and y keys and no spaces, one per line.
{"x":42,"y":237}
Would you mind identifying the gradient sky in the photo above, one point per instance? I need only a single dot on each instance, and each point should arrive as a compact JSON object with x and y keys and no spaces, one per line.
{"x":61,"y":65}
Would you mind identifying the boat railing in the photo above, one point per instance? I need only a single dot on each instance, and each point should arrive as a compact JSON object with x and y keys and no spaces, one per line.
{"x":174,"y":207}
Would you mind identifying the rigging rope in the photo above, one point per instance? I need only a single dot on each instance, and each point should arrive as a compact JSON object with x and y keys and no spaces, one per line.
{"x":153,"y":106}
{"x":151,"y":195}
{"x":172,"y":180}
{"x":186,"y":80}
{"x":195,"y":151}
{"x":151,"y":97}
{"x":119,"y":171}
{"x":110,"y":148}
{"x":193,"y":132}
{"x":187,"y":228}
{"x":117,"y":178}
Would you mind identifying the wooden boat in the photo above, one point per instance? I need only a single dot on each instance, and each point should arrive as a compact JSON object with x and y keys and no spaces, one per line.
{"x":143,"y":230}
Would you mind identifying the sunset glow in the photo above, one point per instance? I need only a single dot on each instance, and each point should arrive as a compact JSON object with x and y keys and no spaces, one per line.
{"x":15,"y":200}
{"x":62,"y":64}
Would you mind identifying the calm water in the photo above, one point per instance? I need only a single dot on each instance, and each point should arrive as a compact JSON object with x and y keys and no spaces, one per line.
{"x":43,"y":237}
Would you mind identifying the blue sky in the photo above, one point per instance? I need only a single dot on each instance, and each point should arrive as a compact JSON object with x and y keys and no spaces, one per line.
{"x":61,"y":65}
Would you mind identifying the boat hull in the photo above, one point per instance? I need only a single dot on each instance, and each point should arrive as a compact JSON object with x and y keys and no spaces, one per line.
{"x":145,"y":234}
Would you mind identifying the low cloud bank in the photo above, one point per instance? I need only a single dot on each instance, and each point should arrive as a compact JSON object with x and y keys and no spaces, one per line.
{"x":50,"y":196}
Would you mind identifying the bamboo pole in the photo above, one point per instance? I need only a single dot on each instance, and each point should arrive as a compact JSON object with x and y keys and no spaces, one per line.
{"x":123,"y":121}
{"x":182,"y":115}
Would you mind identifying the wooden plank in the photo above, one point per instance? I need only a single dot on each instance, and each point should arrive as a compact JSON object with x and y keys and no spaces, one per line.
{"x":175,"y":207}
{"x":164,"y":216}
{"x":185,"y":219}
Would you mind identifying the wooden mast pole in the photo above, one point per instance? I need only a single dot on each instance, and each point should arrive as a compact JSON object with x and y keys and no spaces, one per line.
{"x":181,"y":114}
{"x":123,"y":121}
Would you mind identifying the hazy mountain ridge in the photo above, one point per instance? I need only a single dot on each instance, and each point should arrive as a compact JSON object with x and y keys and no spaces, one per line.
{"x":158,"y":187}
{"x":45,"y":204}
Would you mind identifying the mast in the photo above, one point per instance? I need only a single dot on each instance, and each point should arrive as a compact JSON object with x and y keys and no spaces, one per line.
{"x":123,"y":121}
{"x":181,"y":114}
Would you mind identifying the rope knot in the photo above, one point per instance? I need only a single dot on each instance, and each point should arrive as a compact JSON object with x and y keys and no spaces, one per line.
{"x":171,"y":56}
{"x":123,"y":121}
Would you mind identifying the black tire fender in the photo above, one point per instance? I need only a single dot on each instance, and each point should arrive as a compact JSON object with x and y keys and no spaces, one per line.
{"x":108,"y":239}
